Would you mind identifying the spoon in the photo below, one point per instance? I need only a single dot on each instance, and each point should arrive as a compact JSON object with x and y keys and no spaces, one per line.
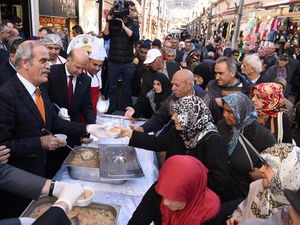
{"x":86,"y":155}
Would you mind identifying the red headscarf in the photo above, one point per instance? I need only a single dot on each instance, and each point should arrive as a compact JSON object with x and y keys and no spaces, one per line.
{"x":184,"y":179}
{"x":272,"y":98}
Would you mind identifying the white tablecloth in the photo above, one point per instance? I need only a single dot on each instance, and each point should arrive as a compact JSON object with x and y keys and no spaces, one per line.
{"x":127,"y":195}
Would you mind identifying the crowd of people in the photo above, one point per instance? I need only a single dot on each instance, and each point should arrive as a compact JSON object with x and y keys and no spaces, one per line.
{"x":225,"y":121}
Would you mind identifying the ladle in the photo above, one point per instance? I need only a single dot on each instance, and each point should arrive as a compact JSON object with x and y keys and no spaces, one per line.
{"x":86,"y":155}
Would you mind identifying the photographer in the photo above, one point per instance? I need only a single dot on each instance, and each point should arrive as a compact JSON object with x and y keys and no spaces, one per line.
{"x":122,"y":29}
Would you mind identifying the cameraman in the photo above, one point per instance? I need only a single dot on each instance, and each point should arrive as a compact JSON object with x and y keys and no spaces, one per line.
{"x":122,"y":29}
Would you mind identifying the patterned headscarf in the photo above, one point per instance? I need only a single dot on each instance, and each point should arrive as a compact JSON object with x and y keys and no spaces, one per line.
{"x":244,"y":113}
{"x":272,"y":98}
{"x":194,"y":118}
{"x":284,"y":159}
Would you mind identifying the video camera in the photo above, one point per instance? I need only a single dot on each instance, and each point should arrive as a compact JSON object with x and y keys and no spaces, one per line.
{"x":119,"y":9}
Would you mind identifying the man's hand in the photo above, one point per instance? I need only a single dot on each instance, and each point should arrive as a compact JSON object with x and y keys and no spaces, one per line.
{"x":137,"y":128}
{"x":126,"y":133}
{"x":123,"y":25}
{"x":4,"y":154}
{"x":129,"y":112}
{"x":50,"y":142}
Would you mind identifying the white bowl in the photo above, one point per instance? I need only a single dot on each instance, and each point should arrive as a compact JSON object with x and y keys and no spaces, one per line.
{"x":61,"y":136}
{"x":86,"y":198}
{"x":113,"y":132}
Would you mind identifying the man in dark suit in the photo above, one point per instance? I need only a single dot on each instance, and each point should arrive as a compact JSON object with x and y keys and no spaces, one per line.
{"x":78,"y":102}
{"x":25,"y":110}
{"x":68,"y":87}
{"x":7,"y":68}
{"x":31,"y":186}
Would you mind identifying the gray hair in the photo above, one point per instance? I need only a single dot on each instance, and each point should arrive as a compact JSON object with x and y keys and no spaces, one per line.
{"x":25,"y":52}
{"x":211,"y":55}
{"x":254,"y":62}
{"x":231,"y":66}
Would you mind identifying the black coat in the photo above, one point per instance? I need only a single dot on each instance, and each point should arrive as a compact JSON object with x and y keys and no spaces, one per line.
{"x":239,"y":165}
{"x":6,"y":72}
{"x":210,"y":150}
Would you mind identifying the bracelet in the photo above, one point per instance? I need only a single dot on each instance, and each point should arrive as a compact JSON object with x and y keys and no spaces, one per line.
{"x":51,"y":188}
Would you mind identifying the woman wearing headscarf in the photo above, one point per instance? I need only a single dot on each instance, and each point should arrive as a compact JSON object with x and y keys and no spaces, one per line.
{"x":280,"y":170}
{"x":161,"y":90}
{"x":245,"y":137}
{"x":269,"y":102}
{"x":179,"y":197}
{"x":193,"y":134}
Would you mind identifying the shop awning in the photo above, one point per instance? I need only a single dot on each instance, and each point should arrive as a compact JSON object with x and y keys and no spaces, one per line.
{"x":276,"y":3}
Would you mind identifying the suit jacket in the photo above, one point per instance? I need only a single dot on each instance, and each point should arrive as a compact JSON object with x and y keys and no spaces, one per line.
{"x":21,"y":124}
{"x":29,"y":185}
{"x":7,"y":72}
{"x":58,"y":92}
{"x":172,"y":67}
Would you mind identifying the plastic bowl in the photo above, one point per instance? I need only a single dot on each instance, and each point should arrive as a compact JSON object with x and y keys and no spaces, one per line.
{"x":86,"y":198}
{"x":113,"y":132}
{"x":61,"y":136}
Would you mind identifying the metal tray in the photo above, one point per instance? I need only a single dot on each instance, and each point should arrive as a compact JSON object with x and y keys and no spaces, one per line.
{"x":119,"y":162}
{"x":84,"y":172}
{"x":114,"y":209}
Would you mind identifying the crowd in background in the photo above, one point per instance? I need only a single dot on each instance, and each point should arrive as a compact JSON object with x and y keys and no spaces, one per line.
{"x":237,"y":111}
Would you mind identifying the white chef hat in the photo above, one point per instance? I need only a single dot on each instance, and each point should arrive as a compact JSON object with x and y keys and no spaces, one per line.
{"x":98,"y":50}
{"x":81,"y":41}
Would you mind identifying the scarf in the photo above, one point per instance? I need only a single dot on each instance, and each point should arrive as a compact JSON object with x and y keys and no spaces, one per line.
{"x":272,"y":99}
{"x":284,"y":159}
{"x":156,"y":99}
{"x":194,"y":118}
{"x":184,"y":178}
{"x":244,"y":113}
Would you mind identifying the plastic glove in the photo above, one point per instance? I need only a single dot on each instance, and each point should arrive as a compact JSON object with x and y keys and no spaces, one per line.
{"x":58,"y":188}
{"x":95,"y":129}
{"x":63,"y":113}
{"x":70,"y":194}
{"x":26,"y":220}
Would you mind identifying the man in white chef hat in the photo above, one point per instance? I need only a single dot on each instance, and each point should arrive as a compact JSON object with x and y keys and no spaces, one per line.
{"x":96,"y":59}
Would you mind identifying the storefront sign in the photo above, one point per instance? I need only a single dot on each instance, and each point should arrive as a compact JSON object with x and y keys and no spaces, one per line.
{"x":57,"y":8}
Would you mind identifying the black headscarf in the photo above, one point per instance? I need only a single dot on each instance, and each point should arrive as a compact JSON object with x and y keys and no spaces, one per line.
{"x":156,"y":99}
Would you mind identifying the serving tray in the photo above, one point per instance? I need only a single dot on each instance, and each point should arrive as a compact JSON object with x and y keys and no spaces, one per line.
{"x":78,"y":219}
{"x":119,"y":162}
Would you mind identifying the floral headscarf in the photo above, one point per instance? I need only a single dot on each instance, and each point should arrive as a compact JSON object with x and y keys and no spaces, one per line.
{"x":195,"y":119}
{"x":272,"y":98}
{"x":244,"y":113}
{"x":284,"y":159}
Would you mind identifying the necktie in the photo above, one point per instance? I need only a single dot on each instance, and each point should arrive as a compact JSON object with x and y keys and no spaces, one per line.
{"x":40,"y":103}
{"x":70,"y":90}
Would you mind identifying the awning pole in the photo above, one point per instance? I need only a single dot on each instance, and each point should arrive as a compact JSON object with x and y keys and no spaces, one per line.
{"x":238,"y":24}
